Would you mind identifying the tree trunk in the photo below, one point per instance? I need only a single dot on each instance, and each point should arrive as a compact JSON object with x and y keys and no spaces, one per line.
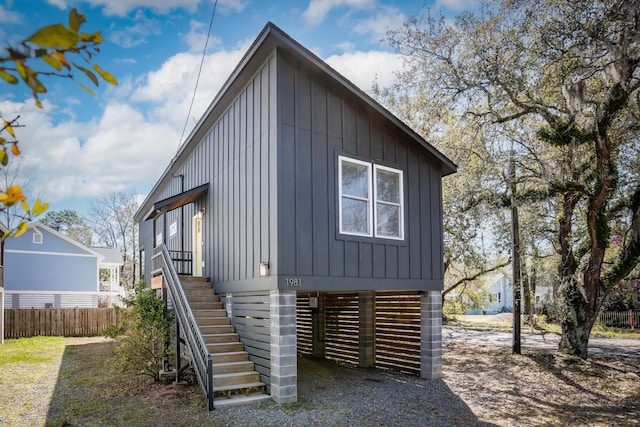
{"x":526,"y":291}
{"x":577,"y":321}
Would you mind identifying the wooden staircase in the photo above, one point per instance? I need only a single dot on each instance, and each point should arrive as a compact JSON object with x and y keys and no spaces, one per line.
{"x":235,"y":380}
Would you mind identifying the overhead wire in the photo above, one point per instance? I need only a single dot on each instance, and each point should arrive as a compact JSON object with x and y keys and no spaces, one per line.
{"x":195,"y":89}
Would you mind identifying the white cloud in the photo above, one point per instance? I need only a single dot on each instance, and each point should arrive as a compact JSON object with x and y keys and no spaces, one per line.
{"x":197,"y":37}
{"x":170,"y":89}
{"x":228,"y":6}
{"x":363,"y":68}
{"x":86,"y":160}
{"x":122,"y":7}
{"x":136,"y":34}
{"x":125,"y":60}
{"x":132,"y":140}
{"x":60,"y":4}
{"x":319,"y":9}
{"x":346,"y":46}
{"x":8,"y":16}
{"x":385,"y":19}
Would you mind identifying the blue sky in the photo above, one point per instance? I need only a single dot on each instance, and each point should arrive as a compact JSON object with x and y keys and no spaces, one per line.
{"x":79,"y":147}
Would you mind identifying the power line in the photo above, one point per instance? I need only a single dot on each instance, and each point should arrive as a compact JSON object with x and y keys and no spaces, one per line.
{"x":195,"y":89}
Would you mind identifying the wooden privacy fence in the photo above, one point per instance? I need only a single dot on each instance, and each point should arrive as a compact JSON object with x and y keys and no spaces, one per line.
{"x":30,"y":322}
{"x":627,"y":318}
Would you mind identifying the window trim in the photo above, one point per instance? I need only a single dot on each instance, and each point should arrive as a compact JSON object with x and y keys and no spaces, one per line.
{"x":37,"y":238}
{"x":372,"y":199}
{"x":400,"y":205}
{"x":341,"y":160}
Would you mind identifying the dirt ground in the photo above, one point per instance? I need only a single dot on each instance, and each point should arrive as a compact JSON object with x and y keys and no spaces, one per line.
{"x":483,"y":385}
{"x":543,"y":387}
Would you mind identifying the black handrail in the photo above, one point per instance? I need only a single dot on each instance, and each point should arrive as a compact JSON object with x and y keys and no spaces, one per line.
{"x":201,"y":358}
{"x":183,"y":261}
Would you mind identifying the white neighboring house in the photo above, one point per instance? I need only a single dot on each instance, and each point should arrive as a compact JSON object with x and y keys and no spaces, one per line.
{"x":47,"y":269}
{"x":109,"y":276}
{"x":500,"y":295}
{"x":499,"y":298}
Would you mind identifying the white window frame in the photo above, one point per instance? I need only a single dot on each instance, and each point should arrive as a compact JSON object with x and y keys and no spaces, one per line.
{"x":341,"y":160}
{"x":400,"y":205}
{"x":372,"y":199}
{"x":37,"y":238}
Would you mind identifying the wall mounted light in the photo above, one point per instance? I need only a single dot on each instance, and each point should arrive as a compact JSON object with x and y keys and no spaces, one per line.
{"x":264,"y":269}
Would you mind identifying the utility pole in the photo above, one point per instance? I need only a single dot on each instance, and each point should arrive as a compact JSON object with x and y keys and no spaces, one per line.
{"x":515,"y":256}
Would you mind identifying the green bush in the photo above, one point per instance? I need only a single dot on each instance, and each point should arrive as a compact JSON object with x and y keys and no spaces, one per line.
{"x":143,"y":348}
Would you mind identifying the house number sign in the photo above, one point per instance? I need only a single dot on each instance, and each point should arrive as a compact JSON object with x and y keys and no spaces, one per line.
{"x":293,"y":283}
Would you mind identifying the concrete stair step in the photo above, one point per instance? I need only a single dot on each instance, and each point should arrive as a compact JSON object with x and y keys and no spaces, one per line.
{"x":235,"y":379}
{"x":220,"y":338}
{"x":232,"y":367}
{"x":229,"y":357}
{"x":216,"y":329}
{"x":225,"y":347}
{"x":240,"y":399}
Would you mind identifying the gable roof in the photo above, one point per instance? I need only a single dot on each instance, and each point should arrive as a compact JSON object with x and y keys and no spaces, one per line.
{"x":38,"y":226}
{"x":111,"y":255}
{"x":270,"y":38}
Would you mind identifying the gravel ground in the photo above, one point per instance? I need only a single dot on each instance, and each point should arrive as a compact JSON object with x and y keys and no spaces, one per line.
{"x":336,"y":395}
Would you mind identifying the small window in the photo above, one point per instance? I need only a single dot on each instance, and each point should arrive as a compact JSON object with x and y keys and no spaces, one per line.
{"x":355,"y":197}
{"x":37,"y":238}
{"x":173,"y":229}
{"x":371,"y":199}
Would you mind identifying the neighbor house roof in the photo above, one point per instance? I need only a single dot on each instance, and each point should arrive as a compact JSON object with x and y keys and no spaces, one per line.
{"x":269,"y":39}
{"x":41,"y":227}
{"x":111,"y":255}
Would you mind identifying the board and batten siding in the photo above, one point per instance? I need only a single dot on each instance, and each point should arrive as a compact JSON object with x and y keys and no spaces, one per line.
{"x":237,"y":157}
{"x":316,"y":125}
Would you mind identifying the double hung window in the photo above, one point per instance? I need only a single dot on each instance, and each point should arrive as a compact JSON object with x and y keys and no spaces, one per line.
{"x":371,"y":199}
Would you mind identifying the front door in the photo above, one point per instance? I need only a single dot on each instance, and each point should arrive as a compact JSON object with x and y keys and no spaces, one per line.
{"x":197,"y":245}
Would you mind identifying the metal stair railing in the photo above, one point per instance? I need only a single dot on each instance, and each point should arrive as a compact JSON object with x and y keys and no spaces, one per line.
{"x":201,"y":358}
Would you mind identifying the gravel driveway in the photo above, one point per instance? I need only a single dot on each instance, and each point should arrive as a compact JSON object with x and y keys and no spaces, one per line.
{"x":364,"y":397}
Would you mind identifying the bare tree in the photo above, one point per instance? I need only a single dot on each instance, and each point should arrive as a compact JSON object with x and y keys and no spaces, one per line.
{"x":112,"y":221}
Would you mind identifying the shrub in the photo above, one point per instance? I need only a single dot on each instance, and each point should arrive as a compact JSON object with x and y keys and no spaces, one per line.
{"x":143,"y":347}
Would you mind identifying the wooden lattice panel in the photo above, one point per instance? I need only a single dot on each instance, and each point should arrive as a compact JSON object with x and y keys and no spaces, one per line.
{"x":398,"y":331}
{"x":304,"y":326}
{"x":342,"y":327}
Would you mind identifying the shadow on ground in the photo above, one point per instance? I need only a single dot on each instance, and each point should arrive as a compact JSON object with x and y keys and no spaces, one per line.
{"x":91,"y":390}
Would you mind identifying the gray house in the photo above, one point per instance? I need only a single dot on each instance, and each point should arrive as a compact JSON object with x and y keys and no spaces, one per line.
{"x":313,"y":217}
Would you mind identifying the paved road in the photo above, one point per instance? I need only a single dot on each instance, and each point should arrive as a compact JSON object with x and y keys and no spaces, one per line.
{"x":599,"y":346}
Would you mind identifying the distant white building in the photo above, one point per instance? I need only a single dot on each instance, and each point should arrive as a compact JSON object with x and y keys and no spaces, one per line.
{"x":499,"y":296}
